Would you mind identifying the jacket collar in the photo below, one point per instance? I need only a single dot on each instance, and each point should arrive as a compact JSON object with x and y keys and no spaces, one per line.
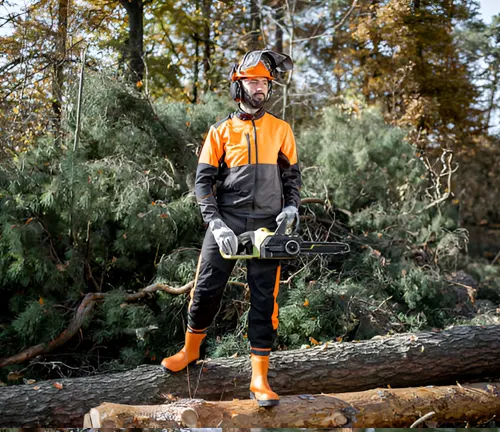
{"x":242,"y":115}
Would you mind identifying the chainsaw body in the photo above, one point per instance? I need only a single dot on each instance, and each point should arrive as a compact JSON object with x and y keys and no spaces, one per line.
{"x":266,"y":244}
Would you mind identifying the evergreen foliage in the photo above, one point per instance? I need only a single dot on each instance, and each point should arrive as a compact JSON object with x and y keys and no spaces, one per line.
{"x":101,"y":218}
{"x":118,"y":214}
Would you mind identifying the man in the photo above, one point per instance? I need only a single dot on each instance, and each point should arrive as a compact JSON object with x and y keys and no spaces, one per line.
{"x":250,"y":160}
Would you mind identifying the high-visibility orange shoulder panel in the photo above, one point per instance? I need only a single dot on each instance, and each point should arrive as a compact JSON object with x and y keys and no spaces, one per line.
{"x":212,"y":150}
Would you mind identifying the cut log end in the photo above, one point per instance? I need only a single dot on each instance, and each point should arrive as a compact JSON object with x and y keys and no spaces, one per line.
{"x":189,"y":418}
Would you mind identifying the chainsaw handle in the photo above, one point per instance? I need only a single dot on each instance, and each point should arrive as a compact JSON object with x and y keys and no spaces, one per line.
{"x":245,"y":242}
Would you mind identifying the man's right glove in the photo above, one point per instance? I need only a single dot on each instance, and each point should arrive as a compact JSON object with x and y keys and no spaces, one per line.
{"x":224,"y":236}
{"x":291,"y":214}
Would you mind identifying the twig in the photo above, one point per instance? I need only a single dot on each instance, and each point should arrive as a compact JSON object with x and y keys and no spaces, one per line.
{"x":496,"y":258}
{"x":79,"y":101}
{"x":199,"y":378}
{"x":422,"y":419}
{"x":381,"y":304}
{"x":342,"y":21}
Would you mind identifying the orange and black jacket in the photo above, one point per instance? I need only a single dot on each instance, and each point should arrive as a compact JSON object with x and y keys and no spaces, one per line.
{"x":248,"y":166}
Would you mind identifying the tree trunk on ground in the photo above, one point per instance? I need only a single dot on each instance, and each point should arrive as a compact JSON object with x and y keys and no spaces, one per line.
{"x":372,"y":408}
{"x":458,"y":354}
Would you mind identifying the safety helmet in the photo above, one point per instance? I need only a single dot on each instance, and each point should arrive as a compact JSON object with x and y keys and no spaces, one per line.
{"x":260,"y":70}
{"x":258,"y":64}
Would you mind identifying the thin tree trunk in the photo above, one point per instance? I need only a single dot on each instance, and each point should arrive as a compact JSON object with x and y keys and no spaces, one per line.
{"x":196,"y":72}
{"x":491,"y":103}
{"x":207,"y":51}
{"x":135,"y":12}
{"x":278,"y":34}
{"x":60,"y":58}
{"x":255,"y":36}
{"x":458,"y":354}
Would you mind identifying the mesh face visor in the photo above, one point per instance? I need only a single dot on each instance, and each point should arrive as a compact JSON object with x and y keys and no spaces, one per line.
{"x":272,"y":60}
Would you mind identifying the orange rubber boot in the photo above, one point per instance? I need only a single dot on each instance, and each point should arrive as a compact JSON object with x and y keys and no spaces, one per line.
{"x":189,"y":352}
{"x":259,"y":387}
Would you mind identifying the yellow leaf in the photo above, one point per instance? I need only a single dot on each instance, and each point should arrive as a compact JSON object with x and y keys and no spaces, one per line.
{"x":40,"y":300}
{"x":15,"y":110}
{"x":14,"y":376}
{"x":313,"y":341}
{"x":28,"y":221}
{"x":306,"y":303}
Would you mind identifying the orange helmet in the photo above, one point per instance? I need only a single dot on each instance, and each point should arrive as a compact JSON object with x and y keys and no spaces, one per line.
{"x":258,"y":71}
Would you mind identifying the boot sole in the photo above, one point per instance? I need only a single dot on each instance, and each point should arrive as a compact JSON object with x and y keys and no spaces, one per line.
{"x":265,"y":403}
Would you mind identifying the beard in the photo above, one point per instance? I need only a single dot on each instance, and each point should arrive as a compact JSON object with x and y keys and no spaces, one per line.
{"x":253,"y":101}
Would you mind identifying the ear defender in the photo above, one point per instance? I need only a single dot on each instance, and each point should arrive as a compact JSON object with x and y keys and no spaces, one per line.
{"x":234,"y":86}
{"x":235,"y":91}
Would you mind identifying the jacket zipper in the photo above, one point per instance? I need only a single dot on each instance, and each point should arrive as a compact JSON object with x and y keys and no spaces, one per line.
{"x":256,"y":163}
{"x":249,"y":149}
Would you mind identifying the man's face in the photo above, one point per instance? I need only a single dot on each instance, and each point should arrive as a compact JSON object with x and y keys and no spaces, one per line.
{"x":255,"y":91}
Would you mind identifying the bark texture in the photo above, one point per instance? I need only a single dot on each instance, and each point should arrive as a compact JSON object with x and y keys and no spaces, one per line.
{"x":372,"y":408}
{"x":459,"y":354}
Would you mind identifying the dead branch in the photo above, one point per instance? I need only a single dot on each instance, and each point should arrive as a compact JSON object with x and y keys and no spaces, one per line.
{"x":83,"y":311}
{"x":446,"y":171}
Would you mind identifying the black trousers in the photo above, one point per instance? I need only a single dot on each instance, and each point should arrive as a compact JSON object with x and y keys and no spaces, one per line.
{"x":213,"y":273}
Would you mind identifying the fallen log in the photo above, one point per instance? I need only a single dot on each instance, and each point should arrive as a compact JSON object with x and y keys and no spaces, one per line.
{"x":373,"y":408}
{"x":463,"y":354}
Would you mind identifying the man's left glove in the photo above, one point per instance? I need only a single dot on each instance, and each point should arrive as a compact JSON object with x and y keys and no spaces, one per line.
{"x":224,"y":236}
{"x":291,"y":214}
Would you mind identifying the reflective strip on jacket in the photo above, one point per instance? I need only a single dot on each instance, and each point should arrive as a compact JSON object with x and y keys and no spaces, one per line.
{"x":248,"y":166}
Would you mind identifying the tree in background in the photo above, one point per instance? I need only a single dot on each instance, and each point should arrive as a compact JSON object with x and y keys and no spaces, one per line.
{"x":480,"y":46}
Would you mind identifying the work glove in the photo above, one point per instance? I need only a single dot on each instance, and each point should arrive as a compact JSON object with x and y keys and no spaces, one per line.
{"x":224,"y":236}
{"x":291,"y":214}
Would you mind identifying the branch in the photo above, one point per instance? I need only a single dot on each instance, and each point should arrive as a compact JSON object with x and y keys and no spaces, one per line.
{"x":335,"y":27}
{"x":83,"y":312}
{"x":446,"y":171}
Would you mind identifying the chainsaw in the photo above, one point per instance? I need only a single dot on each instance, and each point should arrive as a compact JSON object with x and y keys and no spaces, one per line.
{"x":266,"y":244}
